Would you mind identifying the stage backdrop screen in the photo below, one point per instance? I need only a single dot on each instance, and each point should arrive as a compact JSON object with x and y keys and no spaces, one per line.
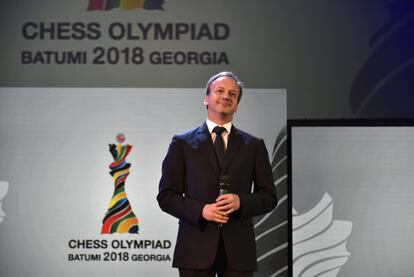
{"x":56,"y":187}
{"x":352,"y":197}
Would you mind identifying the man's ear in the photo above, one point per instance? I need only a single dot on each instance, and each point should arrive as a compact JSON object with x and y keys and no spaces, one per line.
{"x":205,"y":102}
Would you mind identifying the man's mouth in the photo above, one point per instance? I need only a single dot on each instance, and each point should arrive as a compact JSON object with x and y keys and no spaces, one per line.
{"x":225,"y":104}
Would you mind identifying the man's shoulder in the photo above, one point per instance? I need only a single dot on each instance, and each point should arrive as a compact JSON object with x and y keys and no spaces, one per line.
{"x":189,"y":134}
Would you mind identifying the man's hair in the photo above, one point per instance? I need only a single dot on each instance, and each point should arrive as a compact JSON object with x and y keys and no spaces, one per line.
{"x":229,"y":75}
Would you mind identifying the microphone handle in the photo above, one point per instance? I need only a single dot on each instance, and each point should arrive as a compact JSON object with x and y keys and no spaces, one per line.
{"x":224,"y":188}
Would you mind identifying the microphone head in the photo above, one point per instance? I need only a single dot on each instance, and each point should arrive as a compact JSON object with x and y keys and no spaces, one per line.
{"x":225,"y":179}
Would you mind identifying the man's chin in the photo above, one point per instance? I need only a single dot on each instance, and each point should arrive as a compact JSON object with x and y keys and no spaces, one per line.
{"x":226,"y":109}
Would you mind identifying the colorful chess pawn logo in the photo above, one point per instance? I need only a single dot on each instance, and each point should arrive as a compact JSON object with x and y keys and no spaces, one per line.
{"x":4,"y":186}
{"x":106,"y":5}
{"x":120,"y":218}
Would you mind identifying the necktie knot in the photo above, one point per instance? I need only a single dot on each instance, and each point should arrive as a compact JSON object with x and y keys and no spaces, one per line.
{"x":219,"y":130}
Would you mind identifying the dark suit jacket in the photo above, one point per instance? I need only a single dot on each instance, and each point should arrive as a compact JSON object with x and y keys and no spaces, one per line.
{"x":190,"y":179}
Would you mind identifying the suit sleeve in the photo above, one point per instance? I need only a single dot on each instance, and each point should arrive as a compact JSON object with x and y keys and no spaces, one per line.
{"x":263,"y":199}
{"x":171,"y":196}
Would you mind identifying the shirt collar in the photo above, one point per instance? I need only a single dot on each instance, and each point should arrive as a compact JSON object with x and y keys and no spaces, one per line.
{"x":211,"y":125}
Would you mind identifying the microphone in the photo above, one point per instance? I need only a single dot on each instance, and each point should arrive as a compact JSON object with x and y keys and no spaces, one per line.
{"x":224,"y":185}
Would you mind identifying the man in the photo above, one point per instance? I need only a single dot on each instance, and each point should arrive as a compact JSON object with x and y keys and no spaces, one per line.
{"x":216,"y":232}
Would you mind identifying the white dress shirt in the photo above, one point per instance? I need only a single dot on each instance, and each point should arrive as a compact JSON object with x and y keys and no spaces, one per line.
{"x":225,"y":134}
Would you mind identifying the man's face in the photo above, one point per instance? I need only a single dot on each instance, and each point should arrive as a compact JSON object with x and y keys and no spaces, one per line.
{"x":223,"y":96}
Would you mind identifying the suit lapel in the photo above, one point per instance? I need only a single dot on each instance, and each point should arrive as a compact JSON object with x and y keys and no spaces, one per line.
{"x":206,"y":144}
{"x":232,"y":146}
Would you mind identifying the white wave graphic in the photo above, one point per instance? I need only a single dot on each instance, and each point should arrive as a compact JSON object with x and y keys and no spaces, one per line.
{"x":4,"y":186}
{"x":272,"y":245}
{"x":319,"y":241}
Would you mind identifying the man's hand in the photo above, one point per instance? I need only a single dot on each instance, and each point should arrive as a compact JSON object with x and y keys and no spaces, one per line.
{"x":219,"y":211}
{"x":212,"y":212}
{"x":228,"y":203}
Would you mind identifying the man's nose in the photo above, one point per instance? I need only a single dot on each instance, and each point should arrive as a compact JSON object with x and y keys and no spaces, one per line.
{"x":226,"y":95}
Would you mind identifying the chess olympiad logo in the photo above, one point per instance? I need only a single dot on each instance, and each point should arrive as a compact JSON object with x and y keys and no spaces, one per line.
{"x":120,"y":217}
{"x":4,"y":186}
{"x":106,"y":5}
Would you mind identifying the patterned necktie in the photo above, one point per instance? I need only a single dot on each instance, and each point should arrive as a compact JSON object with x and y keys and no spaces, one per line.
{"x":219,"y":143}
